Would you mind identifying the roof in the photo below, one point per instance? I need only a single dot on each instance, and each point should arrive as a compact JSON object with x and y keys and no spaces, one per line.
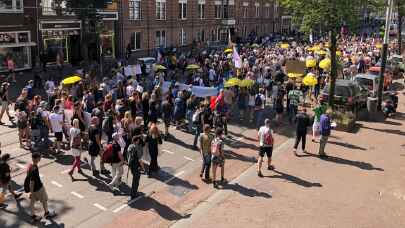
{"x":367,"y":76}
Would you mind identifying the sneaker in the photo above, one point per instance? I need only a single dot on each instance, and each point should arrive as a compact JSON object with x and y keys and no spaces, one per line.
{"x":270,"y":167}
{"x":223,"y":180}
{"x":259,"y":174}
{"x":49,"y":215}
{"x":95,"y":173}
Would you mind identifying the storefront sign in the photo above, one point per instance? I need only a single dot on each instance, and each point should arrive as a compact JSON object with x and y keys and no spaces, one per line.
{"x":7,"y":38}
{"x":108,"y":16}
{"x":60,"y":26}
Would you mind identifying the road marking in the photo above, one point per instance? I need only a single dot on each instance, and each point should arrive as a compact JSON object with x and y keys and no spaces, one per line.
{"x":239,"y":139}
{"x":127,"y":204}
{"x":21,"y":166}
{"x":168,"y":151}
{"x":174,"y":177}
{"x":56,"y":184}
{"x":120,"y":208}
{"x":77,"y":195}
{"x":188,"y":158}
{"x":100,"y":207}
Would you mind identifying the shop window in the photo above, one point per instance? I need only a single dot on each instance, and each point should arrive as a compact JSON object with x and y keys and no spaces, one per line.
{"x":20,"y":55}
{"x":217,"y":11}
{"x":56,"y":46}
{"x":136,"y":40}
{"x":134,"y":7}
{"x":183,"y":38}
{"x":161,"y":9}
{"x":182,"y":10}
{"x":201,"y":36}
{"x":11,"y":6}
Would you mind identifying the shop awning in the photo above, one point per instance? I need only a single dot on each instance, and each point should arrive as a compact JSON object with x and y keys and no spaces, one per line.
{"x":26,"y":44}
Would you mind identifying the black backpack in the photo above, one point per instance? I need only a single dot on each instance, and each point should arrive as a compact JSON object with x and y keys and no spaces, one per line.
{"x":258,"y":100}
{"x":27,"y":180}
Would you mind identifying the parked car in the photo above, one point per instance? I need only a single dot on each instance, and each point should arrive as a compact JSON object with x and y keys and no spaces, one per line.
{"x":348,"y":94}
{"x":375,"y":70}
{"x":368,"y":82}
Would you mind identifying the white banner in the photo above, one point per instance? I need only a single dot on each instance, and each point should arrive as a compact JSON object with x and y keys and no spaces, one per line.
{"x":201,"y":91}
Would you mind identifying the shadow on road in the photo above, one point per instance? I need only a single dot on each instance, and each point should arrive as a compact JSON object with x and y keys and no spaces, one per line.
{"x":389,"y":131}
{"x":294,"y":179}
{"x":246,"y":191}
{"x":148,"y":203}
{"x":342,"y":161}
{"x":347,"y":145}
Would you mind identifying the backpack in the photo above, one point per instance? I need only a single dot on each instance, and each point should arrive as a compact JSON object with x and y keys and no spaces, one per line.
{"x":107,"y":156}
{"x":27,"y":180}
{"x":77,"y":141}
{"x":196,"y":117}
{"x":268,"y":138}
{"x":258,"y":100}
{"x":215,"y":147}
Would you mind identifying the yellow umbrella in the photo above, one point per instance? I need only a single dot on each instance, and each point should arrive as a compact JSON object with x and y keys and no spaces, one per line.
{"x":232,"y":82}
{"x":338,"y":53}
{"x":310,"y":63}
{"x":193,"y":67}
{"x":310,"y":80}
{"x":284,"y":46}
{"x":379,"y":46}
{"x":228,"y":50}
{"x":294,"y":75}
{"x":160,"y":67}
{"x":246,"y":83}
{"x":71,"y":80}
{"x":325,"y":64}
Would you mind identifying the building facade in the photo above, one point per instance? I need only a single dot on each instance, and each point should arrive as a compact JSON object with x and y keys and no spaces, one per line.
{"x":152,"y":24}
{"x":15,"y":35}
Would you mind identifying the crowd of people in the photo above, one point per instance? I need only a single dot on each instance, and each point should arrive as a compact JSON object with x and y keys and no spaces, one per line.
{"x":118,"y":120}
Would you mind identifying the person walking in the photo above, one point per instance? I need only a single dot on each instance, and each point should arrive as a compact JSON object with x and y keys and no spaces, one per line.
{"x":324,"y":130}
{"x":318,"y":111}
{"x":34,"y":186}
{"x":295,"y":96}
{"x":117,"y":162}
{"x":95,"y":146}
{"x":153,"y":139}
{"x":167,"y":115}
{"x":266,"y":142}
{"x":217,"y":158}
{"x":302,"y":124}
{"x":75,"y":147}
{"x":5,"y":101}
{"x":56,"y":122}
{"x":198,"y":123}
{"x":205,"y":151}
{"x":135,"y":164}
{"x":260,"y":101}
{"x":5,"y":179}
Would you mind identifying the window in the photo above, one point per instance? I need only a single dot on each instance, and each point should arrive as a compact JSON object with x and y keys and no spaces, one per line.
{"x":160,"y":39}
{"x":183,"y":38}
{"x":225,"y":9}
{"x":134,"y":7}
{"x":201,"y":11}
{"x":161,"y":9}
{"x":257,"y":6}
{"x":245,"y":12}
{"x":201,"y":36}
{"x":182,"y":10}
{"x":11,"y":6}
{"x":136,"y":41}
{"x":268,"y":12}
{"x":217,"y":11}
{"x":48,"y":7}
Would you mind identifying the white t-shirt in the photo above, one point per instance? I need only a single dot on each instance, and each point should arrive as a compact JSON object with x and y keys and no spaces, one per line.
{"x":55,"y":119}
{"x":50,"y":86}
{"x":73,"y":133}
{"x":130,"y":89}
{"x":262,"y":132}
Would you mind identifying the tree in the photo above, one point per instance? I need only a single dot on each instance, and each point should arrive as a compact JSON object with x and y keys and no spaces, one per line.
{"x":330,"y":16}
{"x":86,"y":11}
{"x":401,"y":13}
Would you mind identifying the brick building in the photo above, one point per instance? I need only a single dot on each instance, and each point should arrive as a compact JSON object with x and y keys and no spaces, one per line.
{"x":149,"y":24}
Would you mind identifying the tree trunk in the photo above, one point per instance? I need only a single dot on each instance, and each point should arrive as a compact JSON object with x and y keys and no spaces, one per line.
{"x":333,"y":70}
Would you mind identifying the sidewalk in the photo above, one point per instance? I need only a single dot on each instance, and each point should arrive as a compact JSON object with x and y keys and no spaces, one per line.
{"x":361,"y":184}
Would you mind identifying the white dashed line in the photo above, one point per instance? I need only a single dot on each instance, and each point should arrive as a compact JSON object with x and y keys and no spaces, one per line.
{"x":174,"y":177}
{"x":77,"y":195}
{"x":56,"y":184}
{"x":126,"y":205}
{"x":168,"y":151}
{"x":100,"y":207}
{"x":188,"y":158}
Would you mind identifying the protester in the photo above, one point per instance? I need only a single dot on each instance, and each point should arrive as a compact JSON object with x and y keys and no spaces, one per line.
{"x":295,"y":97}
{"x":218,"y":157}
{"x":135,"y":164}
{"x":325,"y":130}
{"x":117,"y":162}
{"x":5,"y":101}
{"x":153,"y":139}
{"x":205,"y":151}
{"x":57,"y":123}
{"x":266,"y":142}
{"x":302,"y":123}
{"x":35,"y":187}
{"x":318,"y":111}
{"x":5,"y":178}
{"x":75,"y":147}
{"x":95,"y":146}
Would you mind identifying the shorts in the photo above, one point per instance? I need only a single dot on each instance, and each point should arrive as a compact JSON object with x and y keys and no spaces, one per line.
{"x":315,"y":127}
{"x":59,"y":136}
{"x":218,"y":160}
{"x":40,"y":196}
{"x":268,"y":150}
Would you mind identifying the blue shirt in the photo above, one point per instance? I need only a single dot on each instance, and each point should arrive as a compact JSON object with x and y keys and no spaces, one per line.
{"x":324,"y":127}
